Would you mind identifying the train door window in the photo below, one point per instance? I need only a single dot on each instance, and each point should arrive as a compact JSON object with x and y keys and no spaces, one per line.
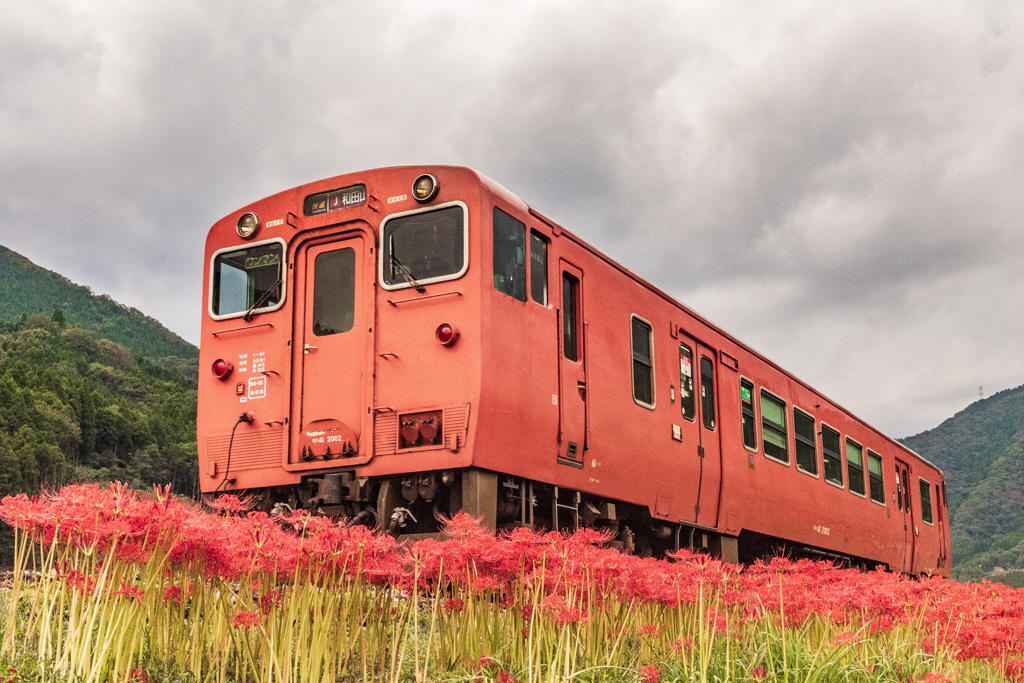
{"x":334,"y":292}
{"x":855,"y":466}
{"x":247,"y":281}
{"x":899,"y":496}
{"x":747,"y":414}
{"x":805,"y":443}
{"x":833,"y":461}
{"x":773,"y":427}
{"x":643,"y":362}
{"x":538,"y":268}
{"x":570,"y":297}
{"x":423,"y":246}
{"x":944,"y":504}
{"x":906,"y":491}
{"x":875,"y":481}
{"x":926,"y":501}
{"x":707,"y":392}
{"x":687,"y":399}
{"x":509,"y":255}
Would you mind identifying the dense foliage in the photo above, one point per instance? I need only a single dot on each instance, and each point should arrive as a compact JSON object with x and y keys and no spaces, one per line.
{"x":77,"y":407}
{"x":981,"y":451}
{"x":27,"y":288}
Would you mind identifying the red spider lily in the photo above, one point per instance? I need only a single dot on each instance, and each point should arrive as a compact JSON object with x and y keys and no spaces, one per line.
{"x":759,"y":672}
{"x":683,"y":643}
{"x":172,"y":594}
{"x":485,"y":663}
{"x":264,"y":563}
{"x":506,"y":677}
{"x":932,"y":677}
{"x":230,"y":504}
{"x":453,"y":605}
{"x":847,"y":637}
{"x":245,"y":620}
{"x":1014,"y":669}
{"x":270,"y":601}
{"x":133,"y":592}
{"x":648,"y":674}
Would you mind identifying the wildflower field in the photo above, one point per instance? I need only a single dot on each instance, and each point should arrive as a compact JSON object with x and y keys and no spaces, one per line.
{"x":113,"y":585}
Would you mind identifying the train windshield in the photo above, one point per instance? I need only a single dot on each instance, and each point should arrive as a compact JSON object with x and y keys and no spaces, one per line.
{"x":423,"y":247}
{"x":247,"y":281}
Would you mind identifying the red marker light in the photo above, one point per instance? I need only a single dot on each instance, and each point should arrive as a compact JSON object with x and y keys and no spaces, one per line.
{"x":221,"y":368}
{"x":446,"y":334}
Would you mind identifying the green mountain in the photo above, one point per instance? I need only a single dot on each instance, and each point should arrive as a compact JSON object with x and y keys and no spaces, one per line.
{"x":89,"y":389}
{"x":981,"y":450}
{"x":25,"y":288}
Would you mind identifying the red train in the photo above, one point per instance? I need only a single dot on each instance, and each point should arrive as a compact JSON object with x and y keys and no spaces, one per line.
{"x":398,"y":344}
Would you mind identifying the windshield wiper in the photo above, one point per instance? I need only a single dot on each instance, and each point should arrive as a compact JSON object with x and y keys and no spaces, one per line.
{"x":274,"y":289}
{"x":402,"y":270}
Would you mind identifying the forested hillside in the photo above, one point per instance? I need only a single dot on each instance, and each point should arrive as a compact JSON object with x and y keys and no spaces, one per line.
{"x":981,"y":450}
{"x":27,"y":288}
{"x":77,"y":407}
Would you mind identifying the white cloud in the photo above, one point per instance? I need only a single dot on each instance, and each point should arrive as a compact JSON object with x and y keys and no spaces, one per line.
{"x":834,"y":183}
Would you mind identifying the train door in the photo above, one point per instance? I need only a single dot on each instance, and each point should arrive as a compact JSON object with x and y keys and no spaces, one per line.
{"x":940,"y":522}
{"x":903,"y":506}
{"x":702,"y":449}
{"x":572,"y":368}
{"x":333,"y":314}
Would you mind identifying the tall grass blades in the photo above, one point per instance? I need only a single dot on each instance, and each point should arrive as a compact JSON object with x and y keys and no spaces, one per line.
{"x":110,"y":584}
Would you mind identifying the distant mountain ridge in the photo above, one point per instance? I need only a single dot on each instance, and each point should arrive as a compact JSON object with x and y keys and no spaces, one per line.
{"x":26,"y":288}
{"x":981,"y":451}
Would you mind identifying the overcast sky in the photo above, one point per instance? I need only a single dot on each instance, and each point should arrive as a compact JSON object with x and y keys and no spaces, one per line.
{"x":838,"y":184}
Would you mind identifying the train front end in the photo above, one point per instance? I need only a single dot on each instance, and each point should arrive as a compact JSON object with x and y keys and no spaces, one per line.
{"x":340,"y":355}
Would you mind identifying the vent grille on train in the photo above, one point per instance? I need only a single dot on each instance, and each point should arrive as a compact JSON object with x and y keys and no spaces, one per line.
{"x":455,"y":423}
{"x":252,"y":449}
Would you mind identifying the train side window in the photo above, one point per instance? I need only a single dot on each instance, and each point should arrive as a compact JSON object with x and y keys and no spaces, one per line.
{"x":509,"y":255}
{"x":833,"y":461}
{"x":687,"y":399}
{"x":875,"y":480}
{"x":855,"y":466}
{"x":773,"y":427}
{"x":538,"y":268}
{"x":747,"y":414}
{"x":805,"y":442}
{"x":926,"y":500}
{"x":334,"y":292}
{"x":570,"y":291}
{"x":643,"y":362}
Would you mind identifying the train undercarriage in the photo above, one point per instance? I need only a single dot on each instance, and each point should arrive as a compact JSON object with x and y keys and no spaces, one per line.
{"x":414,"y":506}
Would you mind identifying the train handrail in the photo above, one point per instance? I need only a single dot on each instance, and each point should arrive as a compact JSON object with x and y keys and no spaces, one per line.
{"x":423,"y":298}
{"x":239,"y":329}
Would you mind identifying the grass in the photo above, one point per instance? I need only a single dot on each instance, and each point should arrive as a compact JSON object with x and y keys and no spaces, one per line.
{"x":110,"y":585}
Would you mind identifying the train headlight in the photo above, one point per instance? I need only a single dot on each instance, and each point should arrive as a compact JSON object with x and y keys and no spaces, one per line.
{"x":446,"y":334}
{"x":425,"y":188}
{"x":248,"y":224}
{"x":221,"y":368}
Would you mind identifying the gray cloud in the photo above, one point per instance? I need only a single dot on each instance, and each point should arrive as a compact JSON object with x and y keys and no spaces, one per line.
{"x":835,"y":184}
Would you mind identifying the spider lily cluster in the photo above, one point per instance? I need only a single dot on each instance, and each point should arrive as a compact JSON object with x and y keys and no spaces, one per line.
{"x":109,"y":583}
